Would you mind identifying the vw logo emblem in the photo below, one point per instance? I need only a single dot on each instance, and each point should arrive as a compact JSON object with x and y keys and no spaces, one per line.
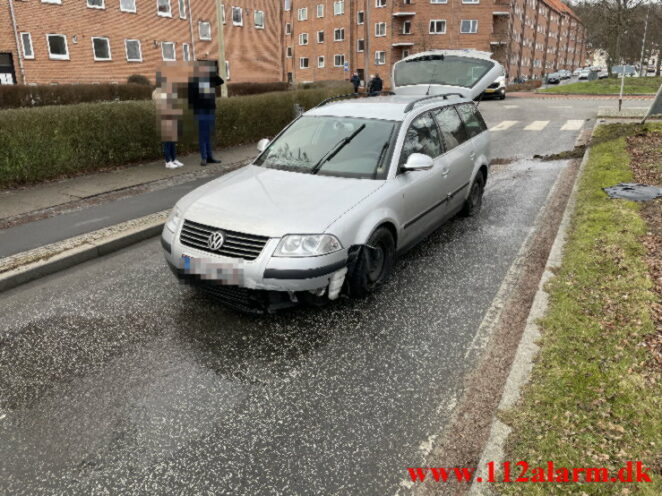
{"x":215,"y":240}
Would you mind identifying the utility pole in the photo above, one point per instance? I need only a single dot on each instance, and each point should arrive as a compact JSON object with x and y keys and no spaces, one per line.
{"x":221,"y":47}
{"x":643,"y":44}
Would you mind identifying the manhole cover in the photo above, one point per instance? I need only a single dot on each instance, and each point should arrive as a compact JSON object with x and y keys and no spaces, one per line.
{"x":634,"y":192}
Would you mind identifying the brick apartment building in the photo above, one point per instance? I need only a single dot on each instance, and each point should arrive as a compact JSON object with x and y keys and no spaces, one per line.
{"x":65,"y":41}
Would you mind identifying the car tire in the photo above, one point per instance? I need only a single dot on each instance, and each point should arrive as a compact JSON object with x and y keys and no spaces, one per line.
{"x":474,"y":201}
{"x":503,"y":95}
{"x":374,"y":264}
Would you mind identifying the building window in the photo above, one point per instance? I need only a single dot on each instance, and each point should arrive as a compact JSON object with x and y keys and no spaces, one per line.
{"x":380,"y":58}
{"x":360,"y":45}
{"x":406,"y":27}
{"x":303,"y":63}
{"x":468,"y":26}
{"x":182,"y":9}
{"x":360,"y":17}
{"x":101,"y":48}
{"x":380,"y":3}
{"x":223,"y":13}
{"x":96,"y":4}
{"x":339,"y":7}
{"x":168,"y":51}
{"x":26,"y":41}
{"x":405,"y":54}
{"x":258,"y":19}
{"x":288,"y":28}
{"x":437,"y":26}
{"x":289,"y":52}
{"x":339,"y":34}
{"x":128,"y":5}
{"x":320,"y":37}
{"x":471,"y":1}
{"x":302,"y":14}
{"x":204,"y":30}
{"x":339,"y":60}
{"x":52,"y":1}
{"x":303,"y":39}
{"x":380,"y":29}
{"x":287,"y":6}
{"x":320,"y":10}
{"x":186,"y":52}
{"x":227,"y":70}
{"x":163,"y":8}
{"x":57,"y":47}
{"x":438,"y":1}
{"x":237,"y":16}
{"x":320,"y":62}
{"x":133,"y":51}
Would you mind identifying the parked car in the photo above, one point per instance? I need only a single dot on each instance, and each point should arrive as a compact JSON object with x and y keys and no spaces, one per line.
{"x":497,"y":89}
{"x":554,"y":78}
{"x":577,"y":71}
{"x":331,"y":201}
{"x":583,"y":74}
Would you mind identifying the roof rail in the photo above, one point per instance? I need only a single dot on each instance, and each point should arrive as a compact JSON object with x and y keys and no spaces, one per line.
{"x":352,"y":95}
{"x":431,"y":97}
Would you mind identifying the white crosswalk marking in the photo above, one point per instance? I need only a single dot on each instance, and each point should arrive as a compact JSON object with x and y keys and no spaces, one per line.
{"x":536,"y":126}
{"x":510,"y":106}
{"x":503,"y":125}
{"x":572,"y":125}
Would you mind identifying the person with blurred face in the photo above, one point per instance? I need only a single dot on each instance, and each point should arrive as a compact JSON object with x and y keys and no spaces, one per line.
{"x":202,"y":100}
{"x":169,"y":116}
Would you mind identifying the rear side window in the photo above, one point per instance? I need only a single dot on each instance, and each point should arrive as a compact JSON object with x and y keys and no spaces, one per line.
{"x":451,"y":127}
{"x":422,"y":137}
{"x":473,"y":121}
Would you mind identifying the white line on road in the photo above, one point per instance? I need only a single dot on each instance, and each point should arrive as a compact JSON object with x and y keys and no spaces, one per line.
{"x":536,"y":126}
{"x":510,"y":106}
{"x":561,"y":106}
{"x":503,"y":125}
{"x":572,"y":125}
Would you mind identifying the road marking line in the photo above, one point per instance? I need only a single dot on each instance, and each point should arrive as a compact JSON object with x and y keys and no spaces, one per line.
{"x":572,"y":125}
{"x":536,"y":126}
{"x":561,"y":106}
{"x":503,"y":125}
{"x":510,"y":106}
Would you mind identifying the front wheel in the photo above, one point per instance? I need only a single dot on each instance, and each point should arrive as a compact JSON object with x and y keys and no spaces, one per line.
{"x":474,"y":201}
{"x":374,"y":264}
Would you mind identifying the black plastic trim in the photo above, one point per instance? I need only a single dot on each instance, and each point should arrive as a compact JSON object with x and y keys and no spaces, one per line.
{"x":166,"y":246}
{"x":303,"y":273}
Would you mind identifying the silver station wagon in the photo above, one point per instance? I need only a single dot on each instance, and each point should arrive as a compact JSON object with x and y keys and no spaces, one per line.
{"x":330,"y":202}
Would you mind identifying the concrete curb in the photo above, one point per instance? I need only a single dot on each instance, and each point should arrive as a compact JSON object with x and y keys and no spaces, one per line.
{"x":40,"y":262}
{"x":527,"y":349}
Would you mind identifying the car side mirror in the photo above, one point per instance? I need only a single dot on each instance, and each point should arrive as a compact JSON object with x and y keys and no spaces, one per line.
{"x":418,"y":161}
{"x":262,"y":144}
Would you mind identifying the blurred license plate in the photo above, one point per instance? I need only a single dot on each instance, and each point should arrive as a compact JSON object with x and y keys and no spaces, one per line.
{"x":187,"y":262}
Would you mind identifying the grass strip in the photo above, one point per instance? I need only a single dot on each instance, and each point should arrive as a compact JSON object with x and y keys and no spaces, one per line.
{"x":609,"y":86}
{"x":591,"y":401}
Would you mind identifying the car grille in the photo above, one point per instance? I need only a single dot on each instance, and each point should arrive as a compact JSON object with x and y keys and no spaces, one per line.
{"x":236,"y":245}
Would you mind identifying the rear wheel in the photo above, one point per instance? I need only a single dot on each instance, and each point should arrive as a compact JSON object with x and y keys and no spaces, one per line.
{"x":474,"y":201}
{"x":374,"y":264}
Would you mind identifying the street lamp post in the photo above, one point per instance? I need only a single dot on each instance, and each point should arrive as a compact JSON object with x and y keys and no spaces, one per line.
{"x":221,"y":48}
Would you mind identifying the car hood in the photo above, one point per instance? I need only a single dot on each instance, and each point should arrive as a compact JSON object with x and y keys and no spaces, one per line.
{"x":270,"y":202}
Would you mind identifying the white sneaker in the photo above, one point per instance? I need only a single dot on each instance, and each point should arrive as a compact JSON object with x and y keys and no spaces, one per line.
{"x":178,"y":163}
{"x":171,"y":165}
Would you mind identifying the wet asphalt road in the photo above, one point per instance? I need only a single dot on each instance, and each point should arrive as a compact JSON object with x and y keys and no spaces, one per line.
{"x":116,"y":379}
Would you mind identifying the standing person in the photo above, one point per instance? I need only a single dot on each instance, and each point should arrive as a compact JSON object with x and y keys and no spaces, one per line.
{"x":165,"y":98}
{"x":376,"y":85}
{"x":202,"y":100}
{"x":356,"y":82}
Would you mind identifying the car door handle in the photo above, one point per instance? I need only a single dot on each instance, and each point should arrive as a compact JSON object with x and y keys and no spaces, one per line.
{"x":472,"y":155}
{"x":444,"y":171}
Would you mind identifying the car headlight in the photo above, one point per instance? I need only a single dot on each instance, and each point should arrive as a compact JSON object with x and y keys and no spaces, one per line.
{"x":173,"y":219}
{"x":307,"y":245}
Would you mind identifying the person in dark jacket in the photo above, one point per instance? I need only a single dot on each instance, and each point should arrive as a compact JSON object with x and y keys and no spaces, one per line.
{"x":202,"y":100}
{"x":356,"y":82}
{"x":376,"y":85}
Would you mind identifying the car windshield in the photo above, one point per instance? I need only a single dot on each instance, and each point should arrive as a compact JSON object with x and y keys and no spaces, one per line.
{"x":438,"y":69}
{"x":335,"y":146}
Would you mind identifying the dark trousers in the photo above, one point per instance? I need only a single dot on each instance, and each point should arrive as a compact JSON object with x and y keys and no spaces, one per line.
{"x":206,"y":124}
{"x":356,"y":88}
{"x":170,"y":150}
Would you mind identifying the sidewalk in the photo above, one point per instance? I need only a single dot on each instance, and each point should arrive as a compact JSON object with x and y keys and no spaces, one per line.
{"x":26,"y":200}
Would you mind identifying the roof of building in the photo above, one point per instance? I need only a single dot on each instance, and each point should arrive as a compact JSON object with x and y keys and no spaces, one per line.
{"x":561,"y":7}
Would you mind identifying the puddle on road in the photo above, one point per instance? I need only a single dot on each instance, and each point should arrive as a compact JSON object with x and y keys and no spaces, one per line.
{"x":633,"y":192}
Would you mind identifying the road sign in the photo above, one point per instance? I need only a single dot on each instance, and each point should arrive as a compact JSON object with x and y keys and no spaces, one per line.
{"x":656,"y":106}
{"x":346,"y":67}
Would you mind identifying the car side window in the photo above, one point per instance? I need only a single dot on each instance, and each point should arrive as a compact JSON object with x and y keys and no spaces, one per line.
{"x":473,"y":121}
{"x":422,"y":137}
{"x":451,"y":126}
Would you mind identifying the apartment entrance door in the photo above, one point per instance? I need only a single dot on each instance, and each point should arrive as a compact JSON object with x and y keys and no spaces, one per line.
{"x":7,"y":73}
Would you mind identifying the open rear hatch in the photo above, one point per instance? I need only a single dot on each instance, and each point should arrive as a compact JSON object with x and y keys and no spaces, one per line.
{"x":467,"y":72}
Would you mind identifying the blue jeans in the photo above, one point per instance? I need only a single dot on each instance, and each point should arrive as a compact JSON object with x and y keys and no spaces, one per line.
{"x":170,"y":150}
{"x":206,"y":124}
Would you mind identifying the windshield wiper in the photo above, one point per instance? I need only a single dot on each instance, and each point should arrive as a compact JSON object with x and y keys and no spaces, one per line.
{"x":336,"y":149}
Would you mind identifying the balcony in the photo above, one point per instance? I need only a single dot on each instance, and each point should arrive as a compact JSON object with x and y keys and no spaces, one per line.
{"x":404,"y":14}
{"x":503,"y":3}
{"x":499,"y":38}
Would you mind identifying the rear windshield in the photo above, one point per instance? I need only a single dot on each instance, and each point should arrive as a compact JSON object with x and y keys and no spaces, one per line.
{"x":439,"y":69}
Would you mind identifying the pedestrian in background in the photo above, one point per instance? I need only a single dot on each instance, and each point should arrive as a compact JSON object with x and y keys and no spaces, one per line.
{"x":169,"y":116}
{"x":356,"y":82}
{"x":202,"y":100}
{"x":376,"y":85}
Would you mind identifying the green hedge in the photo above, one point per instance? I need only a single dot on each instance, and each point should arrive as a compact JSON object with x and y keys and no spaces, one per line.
{"x":17,"y":96}
{"x":43,"y":143}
